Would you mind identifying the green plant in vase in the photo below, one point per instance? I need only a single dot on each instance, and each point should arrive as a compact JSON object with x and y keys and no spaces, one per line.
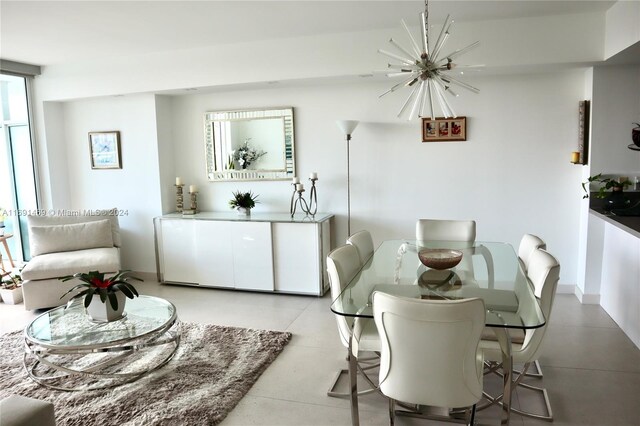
{"x":606,"y":185}
{"x":94,"y":283}
{"x":243,"y":201}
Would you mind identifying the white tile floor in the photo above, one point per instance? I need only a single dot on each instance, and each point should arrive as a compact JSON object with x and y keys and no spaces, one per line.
{"x":591,"y":369}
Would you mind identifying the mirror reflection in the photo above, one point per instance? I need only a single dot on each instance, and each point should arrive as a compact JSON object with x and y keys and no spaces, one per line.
{"x":250,"y":144}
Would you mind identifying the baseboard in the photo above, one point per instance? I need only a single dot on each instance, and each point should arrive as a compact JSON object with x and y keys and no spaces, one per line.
{"x":566,"y":289}
{"x":147,"y":276}
{"x":587,"y":299}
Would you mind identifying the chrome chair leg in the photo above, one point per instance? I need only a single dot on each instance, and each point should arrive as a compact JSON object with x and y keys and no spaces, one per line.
{"x":392,"y":411}
{"x":537,"y":373}
{"x":492,"y":368}
{"x":362,"y":370}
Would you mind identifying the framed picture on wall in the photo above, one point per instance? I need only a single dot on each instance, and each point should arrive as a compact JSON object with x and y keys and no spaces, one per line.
{"x":104,"y":148}
{"x":444,"y":129}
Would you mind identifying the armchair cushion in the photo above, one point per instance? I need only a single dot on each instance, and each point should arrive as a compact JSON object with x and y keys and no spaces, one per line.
{"x":54,"y":265}
{"x":96,"y":215}
{"x":70,"y":237}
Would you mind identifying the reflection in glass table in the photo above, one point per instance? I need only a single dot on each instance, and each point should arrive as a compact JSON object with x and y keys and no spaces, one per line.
{"x":67,"y":351}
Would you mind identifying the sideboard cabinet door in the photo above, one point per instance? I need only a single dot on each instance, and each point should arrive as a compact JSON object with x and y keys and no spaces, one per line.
{"x":179,"y":250}
{"x":252,"y":255}
{"x":297,"y":257}
{"x":213,"y":258}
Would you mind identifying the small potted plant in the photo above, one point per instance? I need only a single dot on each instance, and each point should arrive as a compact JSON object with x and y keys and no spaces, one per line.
{"x":11,"y":288}
{"x":243,"y":202}
{"x":616,"y":199}
{"x":115,"y":289}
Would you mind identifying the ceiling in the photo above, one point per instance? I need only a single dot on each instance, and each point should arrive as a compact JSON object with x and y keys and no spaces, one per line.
{"x":53,"y":32}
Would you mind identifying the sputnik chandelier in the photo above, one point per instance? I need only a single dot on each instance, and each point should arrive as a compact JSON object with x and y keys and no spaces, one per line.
{"x":428,"y":74}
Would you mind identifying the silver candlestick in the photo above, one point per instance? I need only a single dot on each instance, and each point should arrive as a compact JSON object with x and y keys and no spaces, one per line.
{"x":179,"y":198}
{"x":193,"y":203}
{"x":309,"y":208}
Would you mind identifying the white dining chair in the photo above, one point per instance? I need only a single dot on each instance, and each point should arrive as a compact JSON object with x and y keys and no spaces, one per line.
{"x":528,"y":244}
{"x":457,"y":231}
{"x":543,"y":273}
{"x":360,"y":334}
{"x":363,"y":242}
{"x":430,"y":354}
{"x":446,"y":230}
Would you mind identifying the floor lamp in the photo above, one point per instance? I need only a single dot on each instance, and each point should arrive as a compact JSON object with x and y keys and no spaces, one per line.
{"x":347,"y":127}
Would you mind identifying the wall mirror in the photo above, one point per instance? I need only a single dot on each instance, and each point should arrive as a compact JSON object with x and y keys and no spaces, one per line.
{"x":250,"y":144}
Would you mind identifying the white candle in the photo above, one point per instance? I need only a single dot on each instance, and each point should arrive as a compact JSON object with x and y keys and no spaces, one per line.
{"x":299,"y":187}
{"x":295,"y":179}
{"x":178,"y":181}
{"x":192,"y":188}
{"x":313,"y":175}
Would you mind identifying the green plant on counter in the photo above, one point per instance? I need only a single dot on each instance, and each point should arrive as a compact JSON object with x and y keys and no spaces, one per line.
{"x":245,"y":200}
{"x":606,"y":184}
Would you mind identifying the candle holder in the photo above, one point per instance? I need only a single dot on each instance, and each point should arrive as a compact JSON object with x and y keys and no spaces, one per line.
{"x":179,"y":198}
{"x":309,"y":208}
{"x":294,"y":202}
{"x":193,"y":203}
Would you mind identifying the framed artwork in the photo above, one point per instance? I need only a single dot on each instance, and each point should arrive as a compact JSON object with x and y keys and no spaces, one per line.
{"x":583,"y":132}
{"x":104,"y":148}
{"x":444,"y":129}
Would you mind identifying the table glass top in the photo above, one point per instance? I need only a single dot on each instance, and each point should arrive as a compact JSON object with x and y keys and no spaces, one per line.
{"x":71,"y":327}
{"x":490,"y":271}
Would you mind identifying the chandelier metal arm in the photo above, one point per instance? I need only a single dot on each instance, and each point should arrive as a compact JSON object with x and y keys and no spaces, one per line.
{"x":399,"y":47}
{"x":396,"y":57}
{"x":397,"y":86}
{"x":450,"y":79}
{"x":439,"y":40}
{"x":413,"y":40}
{"x":406,"y":102}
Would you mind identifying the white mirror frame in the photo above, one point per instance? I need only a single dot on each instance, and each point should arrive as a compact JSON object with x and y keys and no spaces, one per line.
{"x":215,"y":156}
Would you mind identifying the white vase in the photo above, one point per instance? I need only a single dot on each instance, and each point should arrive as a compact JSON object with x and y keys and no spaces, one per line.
{"x":243,"y":211}
{"x":103,"y":312}
{"x":11,"y":297}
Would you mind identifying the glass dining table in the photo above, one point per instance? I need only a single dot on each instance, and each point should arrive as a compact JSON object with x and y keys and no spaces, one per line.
{"x":488,"y":270}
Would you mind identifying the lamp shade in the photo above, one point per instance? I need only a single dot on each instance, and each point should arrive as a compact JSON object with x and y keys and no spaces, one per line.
{"x":347,"y":126}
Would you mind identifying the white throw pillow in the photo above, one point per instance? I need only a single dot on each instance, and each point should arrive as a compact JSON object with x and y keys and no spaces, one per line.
{"x":48,"y":220}
{"x":70,"y":237}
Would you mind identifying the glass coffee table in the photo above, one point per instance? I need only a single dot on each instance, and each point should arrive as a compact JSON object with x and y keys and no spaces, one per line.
{"x":65,"y":350}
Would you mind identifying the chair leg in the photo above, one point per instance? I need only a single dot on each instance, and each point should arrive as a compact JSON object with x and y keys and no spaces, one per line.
{"x":472,"y":417}
{"x":373,"y":387}
{"x":518,"y":382}
{"x":392,"y":411}
{"x":537,"y":374}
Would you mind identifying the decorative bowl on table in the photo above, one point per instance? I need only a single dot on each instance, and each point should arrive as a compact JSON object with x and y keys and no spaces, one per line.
{"x":440,"y":258}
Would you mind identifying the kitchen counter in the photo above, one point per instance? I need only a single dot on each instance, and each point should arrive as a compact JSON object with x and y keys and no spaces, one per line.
{"x":629,"y":224}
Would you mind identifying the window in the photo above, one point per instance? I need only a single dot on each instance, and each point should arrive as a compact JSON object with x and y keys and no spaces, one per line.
{"x":18,"y":190}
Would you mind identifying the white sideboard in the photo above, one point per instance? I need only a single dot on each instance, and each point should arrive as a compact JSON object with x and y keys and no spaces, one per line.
{"x":261,"y":252}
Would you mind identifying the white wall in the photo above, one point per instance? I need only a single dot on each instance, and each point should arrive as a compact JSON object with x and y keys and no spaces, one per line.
{"x":616,"y":105}
{"x":512,"y":175}
{"x":135,"y":188}
{"x":622,"y":27}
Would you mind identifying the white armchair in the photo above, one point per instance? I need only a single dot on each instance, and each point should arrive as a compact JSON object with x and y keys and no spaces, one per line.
{"x":64,"y":245}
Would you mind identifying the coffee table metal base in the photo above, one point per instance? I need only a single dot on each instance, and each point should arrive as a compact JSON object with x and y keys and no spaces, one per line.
{"x":71,"y":369}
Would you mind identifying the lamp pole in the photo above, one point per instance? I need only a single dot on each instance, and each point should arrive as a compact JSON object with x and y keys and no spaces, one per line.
{"x":347,"y":127}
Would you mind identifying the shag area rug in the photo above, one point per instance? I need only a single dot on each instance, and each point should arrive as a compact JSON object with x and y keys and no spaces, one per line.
{"x":212,"y":370}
